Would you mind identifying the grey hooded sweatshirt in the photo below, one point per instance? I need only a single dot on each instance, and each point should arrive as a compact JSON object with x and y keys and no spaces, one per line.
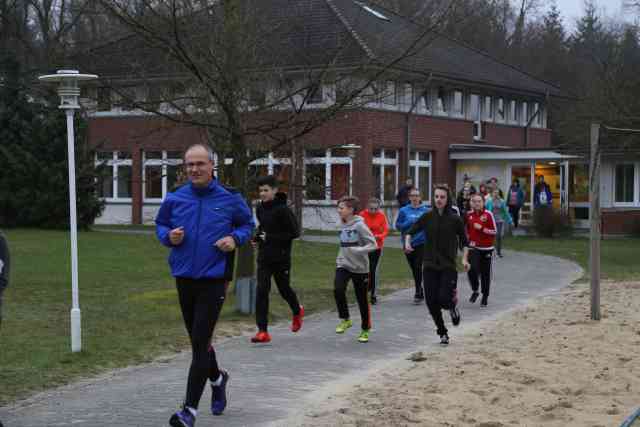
{"x":356,"y":241}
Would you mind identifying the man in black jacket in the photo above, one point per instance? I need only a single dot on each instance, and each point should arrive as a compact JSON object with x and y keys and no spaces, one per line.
{"x":445,"y":233}
{"x":278,"y":227}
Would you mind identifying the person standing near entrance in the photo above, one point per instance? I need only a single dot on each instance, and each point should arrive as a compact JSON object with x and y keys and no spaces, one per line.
{"x":516,"y":201}
{"x":406,"y":218}
{"x":376,"y":220}
{"x":356,"y":241}
{"x":445,"y":233}
{"x":542,"y":196}
{"x":481,"y":229}
{"x":203,"y":223}
{"x":277,"y":229}
{"x":498,"y":207}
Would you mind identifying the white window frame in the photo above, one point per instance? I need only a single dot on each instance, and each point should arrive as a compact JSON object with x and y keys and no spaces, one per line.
{"x":496,"y":110}
{"x":381,"y":162}
{"x":524,"y":113}
{"x":513,"y":113}
{"x":487,"y":117}
{"x":479,"y":103}
{"x":165,"y":161}
{"x":453,"y":112}
{"x":636,"y":186}
{"x":114,"y":163}
{"x":328,"y":160}
{"x":415,"y":163}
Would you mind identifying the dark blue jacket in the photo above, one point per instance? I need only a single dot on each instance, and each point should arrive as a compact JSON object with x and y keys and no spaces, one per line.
{"x":207,"y":215}
{"x":407,"y":217}
{"x":538,"y":191}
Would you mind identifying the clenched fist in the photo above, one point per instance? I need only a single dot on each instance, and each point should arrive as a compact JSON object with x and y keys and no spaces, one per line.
{"x":176,"y":236}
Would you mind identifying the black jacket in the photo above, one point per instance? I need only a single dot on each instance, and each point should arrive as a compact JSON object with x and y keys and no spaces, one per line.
{"x":4,"y":263}
{"x":279,"y":224}
{"x":444,"y":234}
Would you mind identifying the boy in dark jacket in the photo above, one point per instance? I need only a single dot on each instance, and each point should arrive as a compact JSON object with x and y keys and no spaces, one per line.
{"x":278,"y":227}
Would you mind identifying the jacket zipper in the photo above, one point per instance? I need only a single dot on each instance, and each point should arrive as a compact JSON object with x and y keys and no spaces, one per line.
{"x":195,"y":247}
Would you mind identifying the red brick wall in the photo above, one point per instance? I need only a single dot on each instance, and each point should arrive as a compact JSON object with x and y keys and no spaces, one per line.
{"x":620,"y":221}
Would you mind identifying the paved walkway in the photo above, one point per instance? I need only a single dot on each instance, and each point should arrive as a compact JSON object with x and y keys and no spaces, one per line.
{"x":270,"y":383}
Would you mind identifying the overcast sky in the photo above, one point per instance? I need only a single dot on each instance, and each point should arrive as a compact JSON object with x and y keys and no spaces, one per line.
{"x":572,"y":9}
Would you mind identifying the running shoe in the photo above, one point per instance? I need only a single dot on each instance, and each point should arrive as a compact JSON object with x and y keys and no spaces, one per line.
{"x":444,"y":339}
{"x":182,"y":418}
{"x":343,"y":326}
{"x":474,"y":297}
{"x":455,"y":316}
{"x":262,"y":337}
{"x":364,"y":336}
{"x":374,"y":300}
{"x":418,"y":298}
{"x":484,"y":301}
{"x":296,"y":323}
{"x":219,"y":395}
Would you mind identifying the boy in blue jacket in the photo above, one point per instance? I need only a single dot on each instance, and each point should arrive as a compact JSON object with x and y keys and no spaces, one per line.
{"x":203,"y":223}
{"x":406,"y":218}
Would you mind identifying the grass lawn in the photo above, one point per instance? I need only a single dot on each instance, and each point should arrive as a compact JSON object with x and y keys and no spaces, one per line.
{"x":617,"y":255}
{"x":128,"y":301}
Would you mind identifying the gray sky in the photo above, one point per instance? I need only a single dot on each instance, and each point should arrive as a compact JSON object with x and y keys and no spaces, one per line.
{"x":572,"y":9}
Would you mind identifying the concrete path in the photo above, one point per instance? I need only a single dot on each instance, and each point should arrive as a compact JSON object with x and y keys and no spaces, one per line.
{"x":270,"y":383}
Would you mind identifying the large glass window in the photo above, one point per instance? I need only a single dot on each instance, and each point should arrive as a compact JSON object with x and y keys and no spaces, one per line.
{"x":458,"y":103}
{"x":115,"y":183}
{"x":500,"y":110}
{"x":339,"y":181}
{"x":625,"y":181}
{"x":442,"y":105}
{"x":315,"y":181}
{"x":513,"y":112}
{"x":420,"y":169}
{"x":579,"y":183}
{"x":385,"y":174}
{"x":474,"y":107}
{"x":487,"y":108}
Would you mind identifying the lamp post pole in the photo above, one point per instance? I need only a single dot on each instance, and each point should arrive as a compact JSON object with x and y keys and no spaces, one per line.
{"x":69,"y":92}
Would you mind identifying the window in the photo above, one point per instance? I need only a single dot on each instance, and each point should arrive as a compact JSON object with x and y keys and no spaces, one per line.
{"x":487,"y":109}
{"x":441,"y":102}
{"x":339,"y":181}
{"x":327,"y":174}
{"x":625,"y":183}
{"x":458,"y":103}
{"x":524,"y":115}
{"x":535,"y":110}
{"x":277,"y":164}
{"x":315,"y":179}
{"x":423,"y":97}
{"x":115,"y":183}
{"x":500,"y":113}
{"x":385,"y":174}
{"x":105,"y":179}
{"x":420,"y":167}
{"x":513,"y":112}
{"x":474,"y":107}
{"x":161,"y":173}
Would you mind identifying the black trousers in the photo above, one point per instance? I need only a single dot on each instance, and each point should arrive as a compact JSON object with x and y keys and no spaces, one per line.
{"x":374,"y":261}
{"x":514,"y":211}
{"x":201,"y":302}
{"x":281,"y":275}
{"x":441,"y":293}
{"x":480,"y":272}
{"x":360,"y":286}
{"x":415,"y":259}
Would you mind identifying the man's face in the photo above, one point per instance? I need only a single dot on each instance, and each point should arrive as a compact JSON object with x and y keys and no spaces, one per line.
{"x":414,"y":197}
{"x":344,"y":211}
{"x":477,"y":203}
{"x":198,"y":165}
{"x":267,"y":193}
{"x":440,"y":196}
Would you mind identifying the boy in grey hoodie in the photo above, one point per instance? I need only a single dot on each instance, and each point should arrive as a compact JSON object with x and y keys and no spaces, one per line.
{"x":356,"y":241}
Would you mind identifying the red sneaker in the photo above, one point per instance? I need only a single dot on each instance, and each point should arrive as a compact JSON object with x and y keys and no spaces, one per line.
{"x":296,"y":324}
{"x":261,"y":337}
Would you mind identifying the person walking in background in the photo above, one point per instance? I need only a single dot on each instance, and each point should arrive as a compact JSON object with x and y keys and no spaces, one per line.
{"x":376,"y":220}
{"x":481,"y":229}
{"x":542,"y":196}
{"x":356,"y":241}
{"x":203,"y":223}
{"x":403,"y":195}
{"x":445,"y":233}
{"x":498,"y":207}
{"x":406,"y":218}
{"x":515,"y":201}
{"x":464,"y":201}
{"x":483,"y":191}
{"x":277,"y":229}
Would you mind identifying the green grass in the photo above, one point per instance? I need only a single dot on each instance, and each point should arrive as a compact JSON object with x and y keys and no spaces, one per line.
{"x":129,"y":306}
{"x":617,"y":255}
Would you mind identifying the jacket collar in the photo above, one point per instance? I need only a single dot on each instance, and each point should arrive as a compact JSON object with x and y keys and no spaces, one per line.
{"x":203,"y":191}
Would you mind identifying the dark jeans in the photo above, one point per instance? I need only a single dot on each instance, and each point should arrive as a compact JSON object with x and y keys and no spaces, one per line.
{"x":440,"y":291}
{"x":514,"y":211}
{"x":374,"y":262}
{"x":281,"y":276}
{"x":201,"y":301}
{"x":360,"y":286}
{"x":480,"y":271}
{"x":499,"y":236}
{"x":415,"y":259}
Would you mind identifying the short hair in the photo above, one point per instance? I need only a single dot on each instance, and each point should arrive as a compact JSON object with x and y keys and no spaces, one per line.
{"x":414,"y":188}
{"x":351,"y":201}
{"x":445,"y":188}
{"x":269,"y":180}
{"x":375,"y":200}
{"x":205,"y":146}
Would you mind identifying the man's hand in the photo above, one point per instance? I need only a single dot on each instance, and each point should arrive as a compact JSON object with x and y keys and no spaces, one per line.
{"x":408,"y":248}
{"x":226,"y":244}
{"x":466,"y":265}
{"x":477,"y":226}
{"x":176,"y":236}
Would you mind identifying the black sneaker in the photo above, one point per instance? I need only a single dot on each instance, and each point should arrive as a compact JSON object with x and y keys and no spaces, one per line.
{"x":455,"y":316}
{"x":484,"y":301}
{"x":474,"y":297}
{"x":374,"y":300}
{"x":219,"y":395}
{"x":444,"y":340}
{"x":418,"y":298}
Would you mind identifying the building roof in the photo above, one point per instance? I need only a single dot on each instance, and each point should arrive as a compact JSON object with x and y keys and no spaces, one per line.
{"x":313,"y":33}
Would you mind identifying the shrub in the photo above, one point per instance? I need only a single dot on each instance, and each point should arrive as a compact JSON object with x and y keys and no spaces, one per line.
{"x":547,"y":222}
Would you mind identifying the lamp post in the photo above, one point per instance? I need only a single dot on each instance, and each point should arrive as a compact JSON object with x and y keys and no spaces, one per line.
{"x":69,"y":91}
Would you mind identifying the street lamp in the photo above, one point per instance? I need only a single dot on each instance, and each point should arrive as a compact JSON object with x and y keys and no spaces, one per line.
{"x":69,"y":91}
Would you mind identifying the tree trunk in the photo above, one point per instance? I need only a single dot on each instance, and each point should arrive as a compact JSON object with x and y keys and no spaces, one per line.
{"x":296,"y":185}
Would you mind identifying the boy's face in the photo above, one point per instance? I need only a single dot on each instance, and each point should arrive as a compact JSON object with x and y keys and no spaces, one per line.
{"x":477,"y":203}
{"x":267,"y":193}
{"x":344,"y":211}
{"x":441,"y":197}
{"x":373,"y":207}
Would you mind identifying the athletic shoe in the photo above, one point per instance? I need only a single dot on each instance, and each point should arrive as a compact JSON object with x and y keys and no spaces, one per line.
{"x":417,"y":299}
{"x":262,"y":337}
{"x":364,"y":336}
{"x":455,"y":316}
{"x":444,"y":339}
{"x":484,"y":301}
{"x":296,"y":323}
{"x":474,"y":297}
{"x":343,"y":326}
{"x":219,"y":395}
{"x":374,"y":300}
{"x":182,"y":418}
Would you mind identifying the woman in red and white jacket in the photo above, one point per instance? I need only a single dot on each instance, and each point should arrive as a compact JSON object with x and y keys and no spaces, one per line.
{"x":481,"y":230}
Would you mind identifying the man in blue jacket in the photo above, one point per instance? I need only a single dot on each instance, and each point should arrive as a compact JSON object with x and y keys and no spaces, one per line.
{"x":203,"y":223}
{"x":406,"y":218}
